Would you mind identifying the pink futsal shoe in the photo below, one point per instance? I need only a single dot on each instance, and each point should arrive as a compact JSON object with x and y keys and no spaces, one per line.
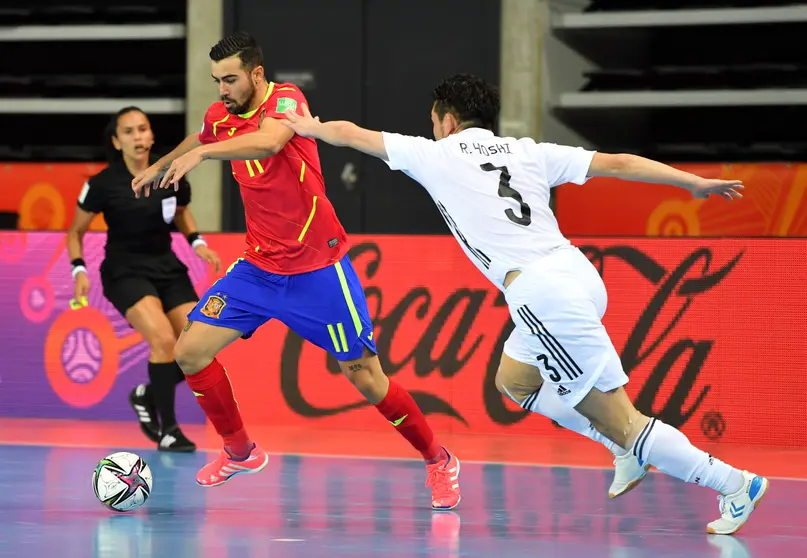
{"x":444,"y":480}
{"x":225,"y":467}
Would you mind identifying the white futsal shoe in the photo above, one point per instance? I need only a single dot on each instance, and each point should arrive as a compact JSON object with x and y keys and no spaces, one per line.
{"x":628,"y":473}
{"x":735,"y":508}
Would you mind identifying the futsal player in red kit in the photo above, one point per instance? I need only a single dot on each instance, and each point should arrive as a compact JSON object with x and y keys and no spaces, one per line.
{"x":295,"y":268}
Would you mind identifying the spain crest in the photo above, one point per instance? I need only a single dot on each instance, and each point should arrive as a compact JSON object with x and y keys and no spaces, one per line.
{"x":213,"y":306}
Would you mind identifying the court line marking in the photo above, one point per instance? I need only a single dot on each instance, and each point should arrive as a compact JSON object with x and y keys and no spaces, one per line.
{"x":346,"y":457}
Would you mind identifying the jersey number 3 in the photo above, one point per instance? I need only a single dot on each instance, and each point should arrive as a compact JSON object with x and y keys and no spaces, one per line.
{"x":506,"y":191}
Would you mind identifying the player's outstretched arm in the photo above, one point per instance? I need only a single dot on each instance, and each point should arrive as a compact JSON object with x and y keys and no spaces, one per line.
{"x":339,"y":133}
{"x":146,"y":179}
{"x":268,"y":140}
{"x":640,"y":169}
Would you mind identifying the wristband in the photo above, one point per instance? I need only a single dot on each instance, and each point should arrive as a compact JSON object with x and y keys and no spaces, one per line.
{"x":195,"y":239}
{"x":79,"y":266}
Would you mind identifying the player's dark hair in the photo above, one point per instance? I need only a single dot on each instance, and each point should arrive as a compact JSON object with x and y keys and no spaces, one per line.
{"x":242,"y":44}
{"x":472,"y":101}
{"x":111,"y":131}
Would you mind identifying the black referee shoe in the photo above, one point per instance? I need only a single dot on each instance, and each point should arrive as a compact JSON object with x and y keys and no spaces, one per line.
{"x":142,"y":402}
{"x":175,"y":441}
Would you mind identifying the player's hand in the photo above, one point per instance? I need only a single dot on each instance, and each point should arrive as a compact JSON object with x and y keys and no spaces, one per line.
{"x":729,"y":189}
{"x":210,"y":256}
{"x":179,"y":168}
{"x":146,"y":180}
{"x":305,"y":125}
{"x":81,"y":287}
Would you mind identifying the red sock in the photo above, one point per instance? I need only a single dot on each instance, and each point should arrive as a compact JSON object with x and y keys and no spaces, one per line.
{"x":215,"y":395}
{"x":399,"y":407}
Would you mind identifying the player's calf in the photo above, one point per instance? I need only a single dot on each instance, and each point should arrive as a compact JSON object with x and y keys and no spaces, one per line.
{"x":195,"y":353}
{"x":656,"y":443}
{"x":394,"y":403}
{"x":523,"y":384}
{"x":403,"y":413}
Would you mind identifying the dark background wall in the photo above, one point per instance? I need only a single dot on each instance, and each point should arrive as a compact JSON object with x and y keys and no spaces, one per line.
{"x":374,"y":62}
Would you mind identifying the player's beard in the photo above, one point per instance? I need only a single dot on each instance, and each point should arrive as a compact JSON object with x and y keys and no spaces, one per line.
{"x":241,"y":108}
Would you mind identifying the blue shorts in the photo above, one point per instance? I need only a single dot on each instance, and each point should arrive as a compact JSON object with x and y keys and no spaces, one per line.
{"x":326,"y":307}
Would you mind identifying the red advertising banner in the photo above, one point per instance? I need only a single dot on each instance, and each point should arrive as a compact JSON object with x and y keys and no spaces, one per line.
{"x":44,"y":195}
{"x":774,"y":204}
{"x":709,"y":331}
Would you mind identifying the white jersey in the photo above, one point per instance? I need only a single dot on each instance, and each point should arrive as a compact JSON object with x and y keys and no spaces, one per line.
{"x":493,"y":192}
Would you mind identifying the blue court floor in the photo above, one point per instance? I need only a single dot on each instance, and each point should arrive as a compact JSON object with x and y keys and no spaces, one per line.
{"x":325,"y":507}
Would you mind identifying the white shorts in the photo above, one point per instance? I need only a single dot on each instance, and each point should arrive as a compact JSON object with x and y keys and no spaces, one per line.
{"x":557,"y":305}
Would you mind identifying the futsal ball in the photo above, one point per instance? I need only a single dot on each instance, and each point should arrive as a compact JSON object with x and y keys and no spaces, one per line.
{"x":122,"y":481}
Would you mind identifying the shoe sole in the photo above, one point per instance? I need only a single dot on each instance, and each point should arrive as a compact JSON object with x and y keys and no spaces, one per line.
{"x":448,"y":509}
{"x":756,"y":504}
{"x":245,"y":471}
{"x":631,"y":485}
{"x":458,"y":499}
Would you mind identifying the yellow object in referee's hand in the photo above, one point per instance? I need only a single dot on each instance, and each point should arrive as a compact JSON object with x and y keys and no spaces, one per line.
{"x":77,"y":304}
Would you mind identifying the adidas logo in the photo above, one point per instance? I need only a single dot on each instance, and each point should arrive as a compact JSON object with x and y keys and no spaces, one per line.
{"x":563,"y":391}
{"x":167,"y":441}
{"x":142,"y":413}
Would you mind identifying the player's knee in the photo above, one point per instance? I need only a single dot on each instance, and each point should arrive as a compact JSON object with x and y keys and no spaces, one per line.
{"x":191,"y":355}
{"x":361,"y":378}
{"x":501,"y":384}
{"x":507,"y":387}
{"x":161,"y":344}
{"x":367,"y":377}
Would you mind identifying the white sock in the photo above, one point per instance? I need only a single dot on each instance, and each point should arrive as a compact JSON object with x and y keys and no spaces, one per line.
{"x":547,"y":402}
{"x":671,"y":452}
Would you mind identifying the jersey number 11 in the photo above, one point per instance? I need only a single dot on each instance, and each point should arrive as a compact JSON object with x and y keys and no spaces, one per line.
{"x":506,"y":191}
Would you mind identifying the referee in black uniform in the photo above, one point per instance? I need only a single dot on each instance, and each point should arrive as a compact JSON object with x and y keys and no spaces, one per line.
{"x":141,"y":276}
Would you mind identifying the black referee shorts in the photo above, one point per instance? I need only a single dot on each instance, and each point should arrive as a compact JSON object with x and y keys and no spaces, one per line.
{"x":125,"y":292}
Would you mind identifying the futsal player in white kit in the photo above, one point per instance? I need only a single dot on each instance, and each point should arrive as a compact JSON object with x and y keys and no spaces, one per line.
{"x":559,"y":361}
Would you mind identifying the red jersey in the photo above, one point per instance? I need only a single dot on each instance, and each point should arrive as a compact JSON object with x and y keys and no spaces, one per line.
{"x":292,"y":227}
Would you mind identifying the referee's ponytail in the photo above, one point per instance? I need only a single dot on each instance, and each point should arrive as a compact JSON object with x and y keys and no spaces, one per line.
{"x":111,"y":130}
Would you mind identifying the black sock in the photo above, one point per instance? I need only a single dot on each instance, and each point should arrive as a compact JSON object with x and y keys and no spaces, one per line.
{"x":163,"y":378}
{"x":180,"y":375}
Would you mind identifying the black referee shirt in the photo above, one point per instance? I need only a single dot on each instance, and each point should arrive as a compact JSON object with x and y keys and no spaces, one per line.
{"x":138,"y":229}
